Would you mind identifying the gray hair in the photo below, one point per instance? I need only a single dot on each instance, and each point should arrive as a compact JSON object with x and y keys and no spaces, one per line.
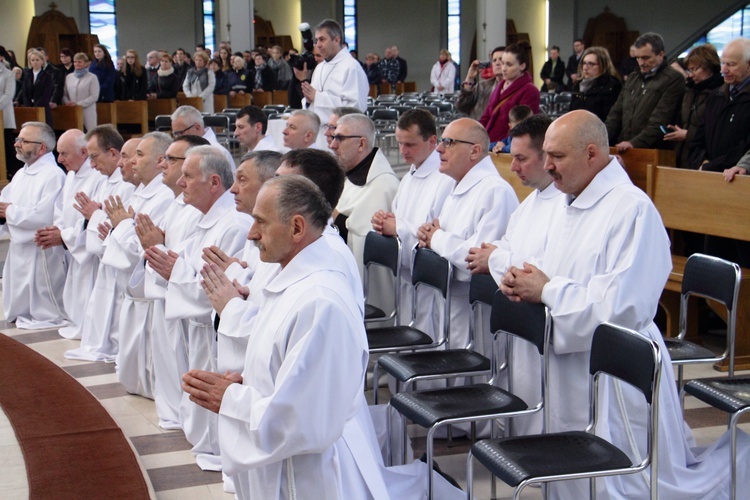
{"x":79,"y":138}
{"x":189,"y":113}
{"x":266,"y":163}
{"x":653,"y":39}
{"x":311,"y":119}
{"x":161,"y":141}
{"x":46,"y":134}
{"x":744,"y":44}
{"x":333,"y":28}
{"x":345,"y":110}
{"x":298,"y":195}
{"x":361,"y":125}
{"x":592,"y":131}
{"x":213,"y":161}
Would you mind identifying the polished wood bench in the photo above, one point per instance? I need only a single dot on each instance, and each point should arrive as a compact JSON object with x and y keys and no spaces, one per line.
{"x":133,"y":113}
{"x":702,"y":202}
{"x":106,"y":112}
{"x":158,"y":107}
{"x":196,"y":102}
{"x":28,"y":114}
{"x":67,"y":118}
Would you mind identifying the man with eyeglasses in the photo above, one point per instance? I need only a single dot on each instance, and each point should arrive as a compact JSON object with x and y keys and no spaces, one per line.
{"x":370,"y":183}
{"x":166,"y":338}
{"x":33,"y":276}
{"x":650,"y":98}
{"x":186,"y":120}
{"x":476,"y":210}
{"x":69,"y":227}
{"x":250,"y":130}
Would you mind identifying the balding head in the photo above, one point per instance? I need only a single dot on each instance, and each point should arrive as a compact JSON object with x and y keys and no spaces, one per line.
{"x":735,"y":61}
{"x":127,"y":158}
{"x":470,"y":146}
{"x":577,"y":149}
{"x":71,"y":148}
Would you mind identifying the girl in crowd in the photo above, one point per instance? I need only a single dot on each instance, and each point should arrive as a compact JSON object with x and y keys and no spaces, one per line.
{"x":66,"y":62}
{"x":475,"y":95}
{"x":598,"y":88}
{"x":38,"y":85}
{"x":82,"y":89}
{"x":225,"y":54}
{"x":221,"y":87}
{"x":104,"y":70}
{"x":516,"y":87}
{"x":200,"y":82}
{"x":132,"y":82}
{"x":443,"y":74}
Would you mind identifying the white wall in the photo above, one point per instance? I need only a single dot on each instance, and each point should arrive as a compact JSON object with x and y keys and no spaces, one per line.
{"x":14,"y":26}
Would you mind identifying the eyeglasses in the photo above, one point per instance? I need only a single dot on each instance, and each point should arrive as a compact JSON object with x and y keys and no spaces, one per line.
{"x":589,"y":64}
{"x":325,"y":127}
{"x":447,"y":142}
{"x":22,"y":141}
{"x":173,"y":159}
{"x":693,"y":70}
{"x":340,"y":138}
{"x":178,"y":133}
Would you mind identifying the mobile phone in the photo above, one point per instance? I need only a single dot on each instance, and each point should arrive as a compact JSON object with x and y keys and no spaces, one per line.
{"x":484,"y":64}
{"x":663,"y":129}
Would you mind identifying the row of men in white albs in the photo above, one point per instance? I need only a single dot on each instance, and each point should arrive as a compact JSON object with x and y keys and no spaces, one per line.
{"x":586,"y":242}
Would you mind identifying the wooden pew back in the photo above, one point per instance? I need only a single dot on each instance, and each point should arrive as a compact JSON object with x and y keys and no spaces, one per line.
{"x":240,"y":100}
{"x":638,"y":163}
{"x":502,"y":164}
{"x":28,"y":114}
{"x":67,"y":117}
{"x":195,"y":102}
{"x":158,"y":107}
{"x":260,"y":99}
{"x":133,"y":113}
{"x":106,"y":112}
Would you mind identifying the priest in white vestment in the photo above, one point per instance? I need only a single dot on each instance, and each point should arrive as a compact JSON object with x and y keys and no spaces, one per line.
{"x":33,"y":277}
{"x":101,"y":317}
{"x":69,"y":225}
{"x":186,"y":120}
{"x":205,"y":181}
{"x":607,"y":259}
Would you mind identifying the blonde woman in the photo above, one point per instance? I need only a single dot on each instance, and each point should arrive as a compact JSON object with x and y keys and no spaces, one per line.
{"x":200,"y":82}
{"x":82,"y":89}
{"x":443,"y":74}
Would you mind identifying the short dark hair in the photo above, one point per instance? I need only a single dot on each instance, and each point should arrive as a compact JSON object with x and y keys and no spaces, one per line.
{"x":579,"y":40}
{"x":520,"y":113}
{"x":535,"y":127}
{"x":254,"y":115}
{"x":653,"y":39}
{"x":333,"y":28}
{"x":555,"y":47}
{"x":107,"y":137}
{"x":423,"y":119}
{"x":192,"y":140}
{"x":320,"y":167}
{"x":298,"y":195}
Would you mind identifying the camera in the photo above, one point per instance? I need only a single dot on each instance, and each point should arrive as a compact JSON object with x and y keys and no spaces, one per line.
{"x":298,"y":61}
{"x":484,"y":64}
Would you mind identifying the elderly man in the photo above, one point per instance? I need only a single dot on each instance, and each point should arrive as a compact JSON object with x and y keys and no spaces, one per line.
{"x":152,"y":71}
{"x":186,"y":120}
{"x":69,"y":226}
{"x":328,"y":450}
{"x":250,"y":130}
{"x":370,"y":182}
{"x":476,"y":210}
{"x":167,"y":346}
{"x":649,"y":99}
{"x":301,"y":130}
{"x":337,"y":81}
{"x":420,"y":194}
{"x":33,"y":276}
{"x":205,"y":182}
{"x":524,"y":240}
{"x":333,"y":119}
{"x":124,"y":253}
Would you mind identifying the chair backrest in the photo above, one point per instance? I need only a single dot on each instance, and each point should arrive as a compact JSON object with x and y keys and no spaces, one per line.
{"x":279,"y":108}
{"x":531,"y":322}
{"x":382,"y":250}
{"x":385,"y":114}
{"x":712,"y":277}
{"x":216,"y":121}
{"x":432,"y":270}
{"x":482,"y":289}
{"x":163,"y":123}
{"x":628,"y":356}
{"x":432,"y":109}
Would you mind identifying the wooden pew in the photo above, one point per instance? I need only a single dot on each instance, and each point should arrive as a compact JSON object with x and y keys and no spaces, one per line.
{"x":221,"y":102}
{"x":410,"y":86}
{"x":67,"y":117}
{"x":106,"y":112}
{"x":260,"y":99}
{"x":502,"y":164}
{"x":195,"y":102}
{"x":3,"y":166}
{"x":373,"y":91}
{"x":280,"y":97}
{"x":240,"y":100}
{"x":702,"y":202}
{"x":158,"y":107}
{"x":28,"y":114}
{"x":639,"y":161}
{"x":133,"y":113}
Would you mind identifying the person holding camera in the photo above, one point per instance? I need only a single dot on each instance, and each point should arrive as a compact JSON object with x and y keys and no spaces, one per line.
{"x":337,"y":81}
{"x":476,"y":94}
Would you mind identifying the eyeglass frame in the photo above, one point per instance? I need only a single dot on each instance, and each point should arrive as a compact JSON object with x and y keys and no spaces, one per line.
{"x":340,"y":137}
{"x":448,"y":142}
{"x":23,"y":141}
{"x":173,"y":159}
{"x":180,"y":133}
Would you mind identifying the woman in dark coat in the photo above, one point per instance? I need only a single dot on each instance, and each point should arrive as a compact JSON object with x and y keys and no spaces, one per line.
{"x":599,"y":86}
{"x":104,"y":69}
{"x":167,"y":80}
{"x":38,"y":85}
{"x":132,"y":81}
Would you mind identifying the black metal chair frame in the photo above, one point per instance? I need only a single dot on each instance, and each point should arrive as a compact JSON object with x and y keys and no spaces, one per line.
{"x":711,"y":278}
{"x":530,"y":322}
{"x":382,"y":251}
{"x":163,"y":123}
{"x":617,"y":352}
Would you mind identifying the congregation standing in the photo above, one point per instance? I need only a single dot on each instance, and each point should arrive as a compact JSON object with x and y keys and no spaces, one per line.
{"x":233,"y":295}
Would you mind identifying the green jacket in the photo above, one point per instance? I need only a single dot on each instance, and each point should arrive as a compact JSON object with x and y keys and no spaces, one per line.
{"x":645,"y":104}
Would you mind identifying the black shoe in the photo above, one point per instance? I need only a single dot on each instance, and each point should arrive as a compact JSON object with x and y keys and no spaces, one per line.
{"x":437,"y":469}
